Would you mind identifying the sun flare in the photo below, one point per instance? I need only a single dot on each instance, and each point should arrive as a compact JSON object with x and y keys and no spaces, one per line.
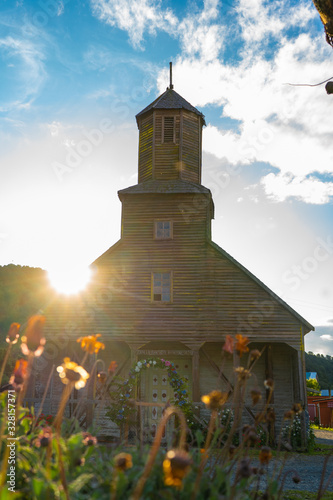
{"x":71,"y":280}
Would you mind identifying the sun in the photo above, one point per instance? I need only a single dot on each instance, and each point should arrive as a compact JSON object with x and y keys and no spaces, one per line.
{"x":69,"y":280}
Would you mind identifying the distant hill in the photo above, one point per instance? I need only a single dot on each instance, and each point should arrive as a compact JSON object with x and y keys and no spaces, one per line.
{"x":24,"y":291}
{"x":323,"y":365}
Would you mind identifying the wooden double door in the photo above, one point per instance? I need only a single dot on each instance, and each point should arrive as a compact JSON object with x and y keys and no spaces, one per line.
{"x":156,"y":391}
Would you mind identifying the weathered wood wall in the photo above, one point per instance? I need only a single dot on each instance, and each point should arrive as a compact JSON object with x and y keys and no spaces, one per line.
{"x":164,"y":160}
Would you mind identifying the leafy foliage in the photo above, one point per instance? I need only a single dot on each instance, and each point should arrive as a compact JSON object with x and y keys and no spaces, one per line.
{"x":313,"y":384}
{"x":23,"y":291}
{"x":323,"y":365}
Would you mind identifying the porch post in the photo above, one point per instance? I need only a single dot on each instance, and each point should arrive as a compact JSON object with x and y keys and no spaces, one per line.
{"x":196,"y":376}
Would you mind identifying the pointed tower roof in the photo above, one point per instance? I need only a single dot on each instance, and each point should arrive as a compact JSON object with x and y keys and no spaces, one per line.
{"x":170,"y":100}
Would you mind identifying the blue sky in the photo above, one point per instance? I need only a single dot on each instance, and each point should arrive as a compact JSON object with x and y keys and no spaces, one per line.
{"x":75,"y":73}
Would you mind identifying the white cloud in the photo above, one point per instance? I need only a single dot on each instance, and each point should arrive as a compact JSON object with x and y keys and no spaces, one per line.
{"x":326,"y":337}
{"x":258,"y":18}
{"x":61,"y":9}
{"x":310,"y":190}
{"x":199,"y":35}
{"x":285,"y":126}
{"x":27,"y":59}
{"x":136,"y":17}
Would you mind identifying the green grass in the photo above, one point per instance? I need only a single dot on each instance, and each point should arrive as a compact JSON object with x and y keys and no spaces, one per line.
{"x":305,"y":495}
{"x":320,"y":449}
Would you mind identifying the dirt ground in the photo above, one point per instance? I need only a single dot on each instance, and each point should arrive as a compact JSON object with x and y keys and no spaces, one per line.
{"x":323,"y":437}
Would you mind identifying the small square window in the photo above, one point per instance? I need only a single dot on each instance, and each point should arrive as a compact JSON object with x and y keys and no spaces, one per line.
{"x":161,"y":287}
{"x":163,"y":230}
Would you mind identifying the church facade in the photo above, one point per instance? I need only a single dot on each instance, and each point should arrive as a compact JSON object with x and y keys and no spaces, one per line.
{"x":165,"y":289}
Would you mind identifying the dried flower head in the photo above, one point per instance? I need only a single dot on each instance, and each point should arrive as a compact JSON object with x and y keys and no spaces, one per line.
{"x":297,"y":408}
{"x":89,"y":439}
{"x":229,"y":344}
{"x":44,"y":438}
{"x":175,"y":466}
{"x":232,"y":451}
{"x":241,"y":344}
{"x":289,"y":415}
{"x":242,"y":373}
{"x":270,"y":415}
{"x":102,"y":376}
{"x":91,"y":344}
{"x":33,"y":340}
{"x":250,"y":435}
{"x":254,"y":355}
{"x":269,"y":384}
{"x":112,"y":367}
{"x":244,"y":468}
{"x":123,"y":461}
{"x":215,"y":399}
{"x":265,"y":455}
{"x":296,"y":478}
{"x":72,"y":373}
{"x":20,"y":373}
{"x":256,"y":396}
{"x":13,"y":333}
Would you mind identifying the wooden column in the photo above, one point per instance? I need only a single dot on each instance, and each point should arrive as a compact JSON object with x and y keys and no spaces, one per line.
{"x":269,"y":374}
{"x":196,"y":376}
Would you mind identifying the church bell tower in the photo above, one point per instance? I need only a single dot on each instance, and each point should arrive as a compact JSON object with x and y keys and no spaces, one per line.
{"x":170,"y":132}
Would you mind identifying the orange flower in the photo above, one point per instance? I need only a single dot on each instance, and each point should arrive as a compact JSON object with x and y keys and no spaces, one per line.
{"x":229,"y":344}
{"x":91,"y":344}
{"x":33,"y":341}
{"x":13,"y":333}
{"x":112,"y":367}
{"x":19,"y":375}
{"x":241,"y":344}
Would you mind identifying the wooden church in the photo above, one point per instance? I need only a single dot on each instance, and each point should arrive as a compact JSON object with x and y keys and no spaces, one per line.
{"x":165,"y":289}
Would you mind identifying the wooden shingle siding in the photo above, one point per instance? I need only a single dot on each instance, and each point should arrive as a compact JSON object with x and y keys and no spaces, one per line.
{"x":146,"y":149}
{"x":180,"y":158}
{"x":212,"y":297}
{"x":191,"y":155}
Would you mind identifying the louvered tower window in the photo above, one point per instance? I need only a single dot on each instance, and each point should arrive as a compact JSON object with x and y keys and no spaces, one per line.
{"x":169,"y":129}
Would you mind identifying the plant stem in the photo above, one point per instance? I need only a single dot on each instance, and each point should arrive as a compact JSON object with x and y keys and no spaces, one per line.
{"x":156,"y":446}
{"x":65,"y":396}
{"x":204,"y":456}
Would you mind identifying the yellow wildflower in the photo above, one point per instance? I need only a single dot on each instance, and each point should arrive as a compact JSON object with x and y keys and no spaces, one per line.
{"x":123,"y":461}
